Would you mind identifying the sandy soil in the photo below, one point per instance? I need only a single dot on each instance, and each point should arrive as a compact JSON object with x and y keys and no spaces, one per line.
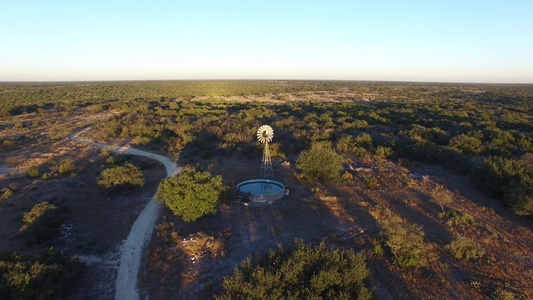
{"x":132,"y":247}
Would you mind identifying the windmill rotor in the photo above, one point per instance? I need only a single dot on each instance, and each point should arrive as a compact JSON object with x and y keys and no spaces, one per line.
{"x":265,"y":134}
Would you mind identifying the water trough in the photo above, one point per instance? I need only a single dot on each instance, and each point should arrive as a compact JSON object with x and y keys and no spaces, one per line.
{"x":260,"y":191}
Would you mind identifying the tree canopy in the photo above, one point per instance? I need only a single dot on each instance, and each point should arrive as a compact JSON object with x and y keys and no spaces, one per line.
{"x":305,"y":272}
{"x":45,"y":277}
{"x":191,"y":194}
{"x":320,"y":162}
{"x":120,"y":177}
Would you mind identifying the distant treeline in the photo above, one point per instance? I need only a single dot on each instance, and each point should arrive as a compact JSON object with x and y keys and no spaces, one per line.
{"x":16,"y":98}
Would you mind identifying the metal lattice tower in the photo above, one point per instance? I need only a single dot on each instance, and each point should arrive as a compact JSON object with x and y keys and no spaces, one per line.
{"x":265,"y":134}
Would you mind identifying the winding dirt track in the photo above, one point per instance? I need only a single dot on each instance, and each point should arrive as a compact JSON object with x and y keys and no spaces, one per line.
{"x":141,"y":231}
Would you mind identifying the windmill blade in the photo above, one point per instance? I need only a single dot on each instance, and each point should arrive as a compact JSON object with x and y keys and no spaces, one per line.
{"x":265,"y":134}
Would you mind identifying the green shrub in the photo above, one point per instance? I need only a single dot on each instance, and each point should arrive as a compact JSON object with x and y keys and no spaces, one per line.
{"x":360,"y":152}
{"x":509,"y":179}
{"x":377,"y":249}
{"x":346,"y":144}
{"x":320,"y":163}
{"x":463,"y":247}
{"x":49,"y":276}
{"x":141,"y":140}
{"x":457,"y":218}
{"x":466,"y":144}
{"x":120,"y":177}
{"x":5,"y":193}
{"x":304,"y":272}
{"x":35,"y":213}
{"x":41,"y":222}
{"x":474,"y":284}
{"x":191,"y":194}
{"x":520,"y":197}
{"x":405,"y":241}
{"x":371,"y":182}
{"x":66,"y":166}
{"x":364,"y":140}
{"x":441,"y":196}
{"x":33,"y":173}
{"x":495,"y":173}
{"x":105,"y":152}
{"x":382,"y":152}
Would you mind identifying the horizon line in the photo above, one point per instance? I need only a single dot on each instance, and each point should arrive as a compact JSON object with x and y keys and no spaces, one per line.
{"x":316,"y":80}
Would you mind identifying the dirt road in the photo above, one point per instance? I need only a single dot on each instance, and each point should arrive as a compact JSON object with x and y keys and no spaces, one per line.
{"x":141,"y":231}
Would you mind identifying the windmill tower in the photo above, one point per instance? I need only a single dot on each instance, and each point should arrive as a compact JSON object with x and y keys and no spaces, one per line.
{"x":265,"y":134}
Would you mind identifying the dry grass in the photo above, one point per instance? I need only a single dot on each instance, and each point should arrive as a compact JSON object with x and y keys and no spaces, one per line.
{"x":201,"y":245}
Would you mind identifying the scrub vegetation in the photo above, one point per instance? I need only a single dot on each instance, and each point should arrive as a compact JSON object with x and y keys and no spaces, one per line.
{"x":439,"y":176}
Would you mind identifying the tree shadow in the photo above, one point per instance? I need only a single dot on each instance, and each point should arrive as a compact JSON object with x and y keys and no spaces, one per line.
{"x":388,"y":284}
{"x":454,"y":181}
{"x":435,"y":231}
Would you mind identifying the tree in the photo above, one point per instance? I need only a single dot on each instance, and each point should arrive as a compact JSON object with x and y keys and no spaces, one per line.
{"x":121,"y":177}
{"x":191,"y":194}
{"x":305,"y":272}
{"x":320,"y":162}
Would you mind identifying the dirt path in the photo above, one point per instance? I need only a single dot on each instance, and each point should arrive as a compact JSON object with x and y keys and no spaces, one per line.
{"x":141,"y":231}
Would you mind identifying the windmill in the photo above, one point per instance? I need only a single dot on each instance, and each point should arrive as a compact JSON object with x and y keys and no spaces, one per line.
{"x":265,"y":134}
{"x":265,"y":190}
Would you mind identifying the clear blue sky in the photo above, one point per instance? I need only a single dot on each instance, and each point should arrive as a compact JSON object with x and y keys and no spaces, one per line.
{"x":453,"y":41}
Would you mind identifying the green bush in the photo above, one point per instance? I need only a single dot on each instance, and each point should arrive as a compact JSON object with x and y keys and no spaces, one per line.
{"x":371,"y":182}
{"x":466,"y":144}
{"x":520,"y":197}
{"x":405,"y":241}
{"x":364,"y":140}
{"x":5,"y":193}
{"x":49,"y":276}
{"x":191,"y":194}
{"x":121,"y":177}
{"x":509,"y":179}
{"x":320,"y":163}
{"x":495,"y":173}
{"x":377,"y":249}
{"x":33,"y":173}
{"x":441,"y":196}
{"x":346,"y":144}
{"x":463,"y":247}
{"x":457,"y":218}
{"x":66,"y":166}
{"x":41,"y":222}
{"x":382,"y":152}
{"x":35,"y":213}
{"x":304,"y":272}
